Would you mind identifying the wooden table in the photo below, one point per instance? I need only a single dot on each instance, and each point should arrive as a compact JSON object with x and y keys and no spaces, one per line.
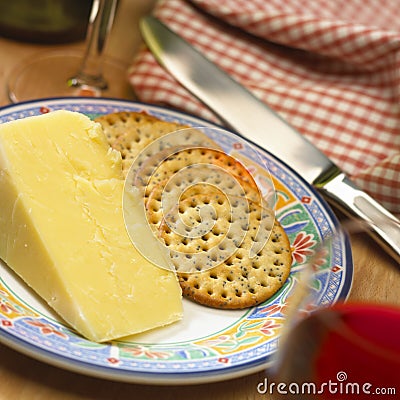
{"x":376,"y":277}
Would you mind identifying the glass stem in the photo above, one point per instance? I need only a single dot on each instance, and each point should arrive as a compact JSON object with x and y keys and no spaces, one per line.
{"x":90,"y":73}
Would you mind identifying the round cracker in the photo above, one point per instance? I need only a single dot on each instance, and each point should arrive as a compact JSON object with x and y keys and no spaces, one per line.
{"x":187,"y":165}
{"x":132,"y":132}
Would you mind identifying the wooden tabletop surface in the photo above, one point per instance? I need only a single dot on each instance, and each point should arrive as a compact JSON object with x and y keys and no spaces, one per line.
{"x":376,"y":277}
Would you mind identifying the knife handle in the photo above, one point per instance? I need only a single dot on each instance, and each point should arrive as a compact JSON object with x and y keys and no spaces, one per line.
{"x":384,"y":227}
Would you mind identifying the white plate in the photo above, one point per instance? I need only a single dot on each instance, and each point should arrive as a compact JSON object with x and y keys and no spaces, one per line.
{"x":208,"y":344}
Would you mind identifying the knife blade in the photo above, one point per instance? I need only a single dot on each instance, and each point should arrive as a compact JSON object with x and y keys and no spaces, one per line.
{"x":266,"y":129}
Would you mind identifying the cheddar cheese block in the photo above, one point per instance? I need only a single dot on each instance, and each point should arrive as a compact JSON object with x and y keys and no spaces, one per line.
{"x":62,"y":229}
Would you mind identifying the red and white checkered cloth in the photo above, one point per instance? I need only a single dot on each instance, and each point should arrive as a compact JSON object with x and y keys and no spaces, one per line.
{"x":331,"y":68}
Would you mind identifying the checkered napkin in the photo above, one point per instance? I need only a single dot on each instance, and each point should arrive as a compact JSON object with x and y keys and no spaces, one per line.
{"x":331,"y":68}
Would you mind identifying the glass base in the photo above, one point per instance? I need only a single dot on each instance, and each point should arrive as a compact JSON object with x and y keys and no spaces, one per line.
{"x":49,"y":75}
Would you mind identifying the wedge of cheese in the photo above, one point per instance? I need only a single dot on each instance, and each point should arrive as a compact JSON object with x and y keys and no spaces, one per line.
{"x":62,"y":229}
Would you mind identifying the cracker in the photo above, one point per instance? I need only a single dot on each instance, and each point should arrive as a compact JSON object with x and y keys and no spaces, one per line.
{"x":189,"y":165}
{"x":131,"y":132}
{"x":189,"y":172}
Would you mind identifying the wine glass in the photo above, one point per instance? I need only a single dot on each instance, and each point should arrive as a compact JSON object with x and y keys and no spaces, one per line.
{"x":341,"y":351}
{"x":69,"y":73}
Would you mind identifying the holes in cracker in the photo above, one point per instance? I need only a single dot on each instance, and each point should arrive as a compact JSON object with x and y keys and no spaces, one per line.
{"x":150,"y":158}
{"x":202,"y":216}
{"x":232,"y":240}
{"x":200,"y":202}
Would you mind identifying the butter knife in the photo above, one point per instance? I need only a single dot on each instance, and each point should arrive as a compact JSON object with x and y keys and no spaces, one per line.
{"x":266,"y":129}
